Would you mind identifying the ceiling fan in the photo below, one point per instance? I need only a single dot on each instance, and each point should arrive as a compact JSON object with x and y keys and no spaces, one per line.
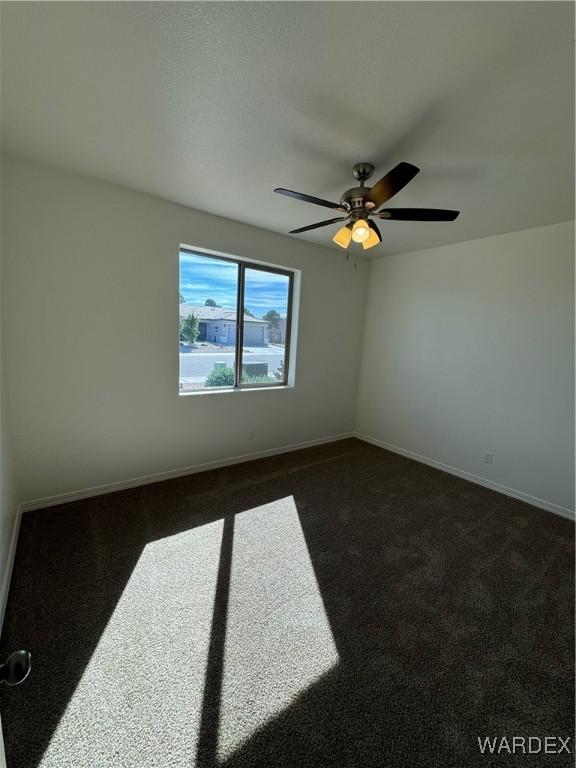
{"x":360,"y":203}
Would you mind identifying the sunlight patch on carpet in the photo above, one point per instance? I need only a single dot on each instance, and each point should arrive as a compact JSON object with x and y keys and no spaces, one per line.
{"x":146,"y":691}
{"x":278,"y":638}
{"x":138,"y":703}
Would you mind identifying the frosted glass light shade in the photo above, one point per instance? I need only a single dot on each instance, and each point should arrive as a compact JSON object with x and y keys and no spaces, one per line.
{"x":360,"y":231}
{"x":371,"y":240}
{"x":343,"y":237}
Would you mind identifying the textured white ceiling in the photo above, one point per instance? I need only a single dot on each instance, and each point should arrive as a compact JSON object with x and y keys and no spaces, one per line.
{"x":214,"y":104}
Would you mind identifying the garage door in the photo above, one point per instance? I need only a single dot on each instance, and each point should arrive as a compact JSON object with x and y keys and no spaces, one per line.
{"x":253,"y":334}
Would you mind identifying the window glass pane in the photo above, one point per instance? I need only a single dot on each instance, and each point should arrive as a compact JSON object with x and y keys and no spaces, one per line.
{"x":208,"y":300}
{"x":266,"y":297}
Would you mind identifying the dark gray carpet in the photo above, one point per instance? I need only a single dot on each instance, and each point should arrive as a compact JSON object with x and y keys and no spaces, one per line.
{"x":338,"y":606}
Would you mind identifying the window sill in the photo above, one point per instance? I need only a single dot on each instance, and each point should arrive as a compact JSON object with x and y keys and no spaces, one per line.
{"x":280,"y":388}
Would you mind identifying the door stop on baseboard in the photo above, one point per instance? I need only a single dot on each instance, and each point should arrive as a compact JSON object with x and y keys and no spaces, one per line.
{"x":16,"y":668}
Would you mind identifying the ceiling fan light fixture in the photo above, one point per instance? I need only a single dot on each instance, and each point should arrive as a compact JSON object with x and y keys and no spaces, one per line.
{"x":343,"y":237}
{"x":360,"y":231}
{"x":371,"y":240}
{"x":359,"y":204}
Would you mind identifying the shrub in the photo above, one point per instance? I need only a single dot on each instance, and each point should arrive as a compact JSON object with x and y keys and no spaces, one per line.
{"x":220,"y":377}
{"x":224,"y":377}
{"x":279,"y":374}
{"x":189,"y":329}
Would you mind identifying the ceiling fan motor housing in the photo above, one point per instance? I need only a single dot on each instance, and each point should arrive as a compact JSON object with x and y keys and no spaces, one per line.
{"x":355,"y":199}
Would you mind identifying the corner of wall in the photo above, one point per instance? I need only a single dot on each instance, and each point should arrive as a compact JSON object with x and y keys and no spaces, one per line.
{"x":362,"y":343}
{"x":9,"y":508}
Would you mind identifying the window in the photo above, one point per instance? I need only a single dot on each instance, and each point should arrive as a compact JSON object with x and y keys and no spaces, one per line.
{"x":235,"y":322}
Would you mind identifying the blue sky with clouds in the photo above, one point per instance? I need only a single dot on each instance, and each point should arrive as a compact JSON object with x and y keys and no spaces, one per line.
{"x":204,"y":278}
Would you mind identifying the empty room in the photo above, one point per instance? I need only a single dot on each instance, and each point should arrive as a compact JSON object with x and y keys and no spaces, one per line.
{"x":287,"y":384}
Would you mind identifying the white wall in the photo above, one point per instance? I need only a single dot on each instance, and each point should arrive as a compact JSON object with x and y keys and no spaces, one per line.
{"x":8,"y":494}
{"x":468,"y":349}
{"x":91,"y":336}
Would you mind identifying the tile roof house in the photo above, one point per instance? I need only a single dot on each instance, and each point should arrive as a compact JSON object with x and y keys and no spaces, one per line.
{"x":218,"y":325}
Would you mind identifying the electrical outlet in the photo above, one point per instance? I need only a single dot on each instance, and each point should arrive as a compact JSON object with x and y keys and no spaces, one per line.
{"x":488,"y":458}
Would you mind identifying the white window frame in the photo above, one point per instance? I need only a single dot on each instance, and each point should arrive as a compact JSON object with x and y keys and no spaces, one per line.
{"x":293,"y":276}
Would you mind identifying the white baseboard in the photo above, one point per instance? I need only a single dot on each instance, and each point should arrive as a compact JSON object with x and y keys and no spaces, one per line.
{"x":7,"y":575}
{"x":121,"y":485}
{"x":526,"y":497}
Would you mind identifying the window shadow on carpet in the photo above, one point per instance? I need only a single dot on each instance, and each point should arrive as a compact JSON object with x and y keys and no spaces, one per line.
{"x":207,"y":749}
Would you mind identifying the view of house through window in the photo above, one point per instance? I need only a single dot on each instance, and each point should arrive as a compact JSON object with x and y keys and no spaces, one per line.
{"x":212,"y":292}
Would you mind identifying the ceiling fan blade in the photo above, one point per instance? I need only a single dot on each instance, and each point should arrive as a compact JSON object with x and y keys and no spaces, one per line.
{"x":309,"y":198}
{"x":392,"y":183}
{"x":372,"y":225}
{"x":418,"y":214}
{"x":315,"y":226}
